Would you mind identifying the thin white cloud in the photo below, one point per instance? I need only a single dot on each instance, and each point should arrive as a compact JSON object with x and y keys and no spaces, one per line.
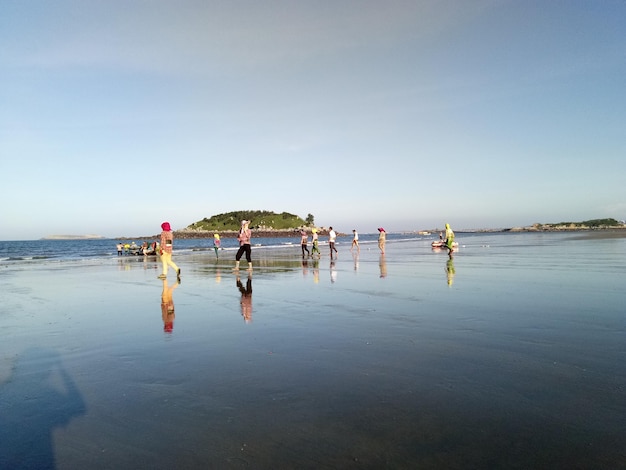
{"x":203,"y":36}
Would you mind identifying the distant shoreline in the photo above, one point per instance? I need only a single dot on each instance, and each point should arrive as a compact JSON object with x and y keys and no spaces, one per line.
{"x":592,"y":232}
{"x":586,"y":232}
{"x":73,"y":237}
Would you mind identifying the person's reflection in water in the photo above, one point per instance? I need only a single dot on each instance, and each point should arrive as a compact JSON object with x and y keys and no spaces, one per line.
{"x":450,"y":271}
{"x":167,"y":306}
{"x":39,"y":397}
{"x":246,"y":298}
{"x":305,"y":267}
{"x":333,"y":271}
{"x":382,"y":264}
{"x":355,"y":258}
{"x":316,"y":271}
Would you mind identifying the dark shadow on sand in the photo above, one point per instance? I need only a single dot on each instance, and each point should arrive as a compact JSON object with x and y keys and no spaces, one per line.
{"x":39,"y":397}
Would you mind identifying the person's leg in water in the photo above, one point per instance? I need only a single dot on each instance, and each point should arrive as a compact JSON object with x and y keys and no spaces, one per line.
{"x":249,"y":256}
{"x":238,"y":256}
{"x":166,"y":260}
{"x":315,"y":249}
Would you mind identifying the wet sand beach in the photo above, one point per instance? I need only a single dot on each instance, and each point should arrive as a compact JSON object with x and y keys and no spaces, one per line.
{"x":510,"y":355}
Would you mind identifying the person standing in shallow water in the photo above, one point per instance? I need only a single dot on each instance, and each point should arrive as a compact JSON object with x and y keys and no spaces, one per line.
{"x":244,"y":244}
{"x":355,"y":240}
{"x":332,"y":236}
{"x":449,"y":240}
{"x":304,"y":242}
{"x":382,"y":239}
{"x":167,"y":242}
{"x":216,"y":244}
{"x":315,"y":244}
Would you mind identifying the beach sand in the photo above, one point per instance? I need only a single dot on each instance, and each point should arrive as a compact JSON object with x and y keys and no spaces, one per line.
{"x":404,"y":361}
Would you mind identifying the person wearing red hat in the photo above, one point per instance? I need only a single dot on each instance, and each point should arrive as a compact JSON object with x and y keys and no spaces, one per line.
{"x":167,"y":242}
{"x":382,"y":238}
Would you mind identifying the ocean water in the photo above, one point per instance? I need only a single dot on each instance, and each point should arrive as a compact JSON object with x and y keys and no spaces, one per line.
{"x":509,"y":355}
{"x":29,"y":251}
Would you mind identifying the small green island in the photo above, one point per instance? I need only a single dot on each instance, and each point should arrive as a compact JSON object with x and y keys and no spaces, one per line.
{"x":263,"y":223}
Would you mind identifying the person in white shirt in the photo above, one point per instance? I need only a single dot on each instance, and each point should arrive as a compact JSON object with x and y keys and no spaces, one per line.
{"x":355,"y":241}
{"x":331,"y":241}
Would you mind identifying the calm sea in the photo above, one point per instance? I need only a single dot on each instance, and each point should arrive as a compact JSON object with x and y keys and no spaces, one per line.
{"x":29,"y":251}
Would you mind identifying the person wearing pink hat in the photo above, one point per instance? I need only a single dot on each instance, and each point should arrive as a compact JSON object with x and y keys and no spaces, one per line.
{"x":382,"y":238}
{"x":167,"y":242}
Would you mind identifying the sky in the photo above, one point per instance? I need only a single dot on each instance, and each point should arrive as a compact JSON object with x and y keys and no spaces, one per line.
{"x":117,"y":115}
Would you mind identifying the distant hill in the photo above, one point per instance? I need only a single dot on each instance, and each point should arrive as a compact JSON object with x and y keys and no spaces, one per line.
{"x":259,"y":220}
{"x":594,"y":223}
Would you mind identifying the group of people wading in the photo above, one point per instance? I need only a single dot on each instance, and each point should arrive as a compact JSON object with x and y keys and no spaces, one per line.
{"x":245,"y":234}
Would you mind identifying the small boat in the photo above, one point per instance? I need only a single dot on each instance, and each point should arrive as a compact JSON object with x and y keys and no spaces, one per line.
{"x":442,"y":244}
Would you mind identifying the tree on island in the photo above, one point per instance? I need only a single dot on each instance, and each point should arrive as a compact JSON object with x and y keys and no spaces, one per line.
{"x":262,"y":220}
{"x":593,"y":223}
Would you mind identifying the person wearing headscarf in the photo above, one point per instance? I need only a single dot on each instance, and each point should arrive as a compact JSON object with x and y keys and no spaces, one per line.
{"x":315,"y":243}
{"x":449,"y":239}
{"x":382,"y":239}
{"x":167,"y":242}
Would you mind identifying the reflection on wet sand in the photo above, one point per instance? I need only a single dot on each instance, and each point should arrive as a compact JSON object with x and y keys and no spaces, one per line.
{"x":246,"y":298}
{"x":450,"y":271}
{"x":39,"y":397}
{"x":305,"y":267}
{"x":167,"y":306}
{"x":382,"y":264}
{"x":316,"y":271}
{"x":355,"y":258}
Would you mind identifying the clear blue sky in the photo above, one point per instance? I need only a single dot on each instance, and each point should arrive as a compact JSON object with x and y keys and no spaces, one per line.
{"x":117,"y":115}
